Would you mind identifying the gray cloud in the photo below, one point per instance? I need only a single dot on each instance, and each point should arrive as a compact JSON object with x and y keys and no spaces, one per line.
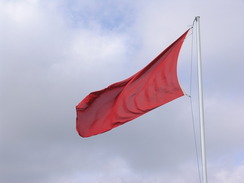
{"x":54,"y":53}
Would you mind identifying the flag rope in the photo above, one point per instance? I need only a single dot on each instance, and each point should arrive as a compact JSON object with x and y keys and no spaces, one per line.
{"x":191,"y":104}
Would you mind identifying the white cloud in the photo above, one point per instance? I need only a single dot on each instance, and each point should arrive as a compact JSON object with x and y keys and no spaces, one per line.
{"x":229,"y":175}
{"x":53,"y":53}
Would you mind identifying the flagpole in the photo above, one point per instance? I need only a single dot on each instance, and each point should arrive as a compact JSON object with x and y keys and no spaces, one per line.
{"x":201,"y":109}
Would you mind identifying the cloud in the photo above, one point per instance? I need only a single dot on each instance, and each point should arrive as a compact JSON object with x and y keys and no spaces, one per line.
{"x":53,"y":53}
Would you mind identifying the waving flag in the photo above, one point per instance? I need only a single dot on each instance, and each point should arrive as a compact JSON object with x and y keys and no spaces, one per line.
{"x":151,"y":87}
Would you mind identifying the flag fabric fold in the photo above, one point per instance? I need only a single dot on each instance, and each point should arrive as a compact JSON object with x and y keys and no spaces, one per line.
{"x":121,"y":102}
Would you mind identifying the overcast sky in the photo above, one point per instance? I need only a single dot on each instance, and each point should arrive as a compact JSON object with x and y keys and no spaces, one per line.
{"x":55,"y":52}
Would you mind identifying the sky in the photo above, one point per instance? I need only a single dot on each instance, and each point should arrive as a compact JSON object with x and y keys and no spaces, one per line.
{"x":55,"y":52}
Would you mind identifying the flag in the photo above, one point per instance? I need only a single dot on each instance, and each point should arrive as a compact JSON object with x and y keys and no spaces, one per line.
{"x":151,"y":87}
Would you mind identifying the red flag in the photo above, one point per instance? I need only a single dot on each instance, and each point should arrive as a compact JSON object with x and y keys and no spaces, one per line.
{"x":151,"y":87}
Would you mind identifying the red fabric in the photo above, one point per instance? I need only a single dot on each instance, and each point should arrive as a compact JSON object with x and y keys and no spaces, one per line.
{"x":123,"y":101}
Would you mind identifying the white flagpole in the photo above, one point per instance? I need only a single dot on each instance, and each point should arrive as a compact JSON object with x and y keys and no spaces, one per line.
{"x":201,"y":110}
